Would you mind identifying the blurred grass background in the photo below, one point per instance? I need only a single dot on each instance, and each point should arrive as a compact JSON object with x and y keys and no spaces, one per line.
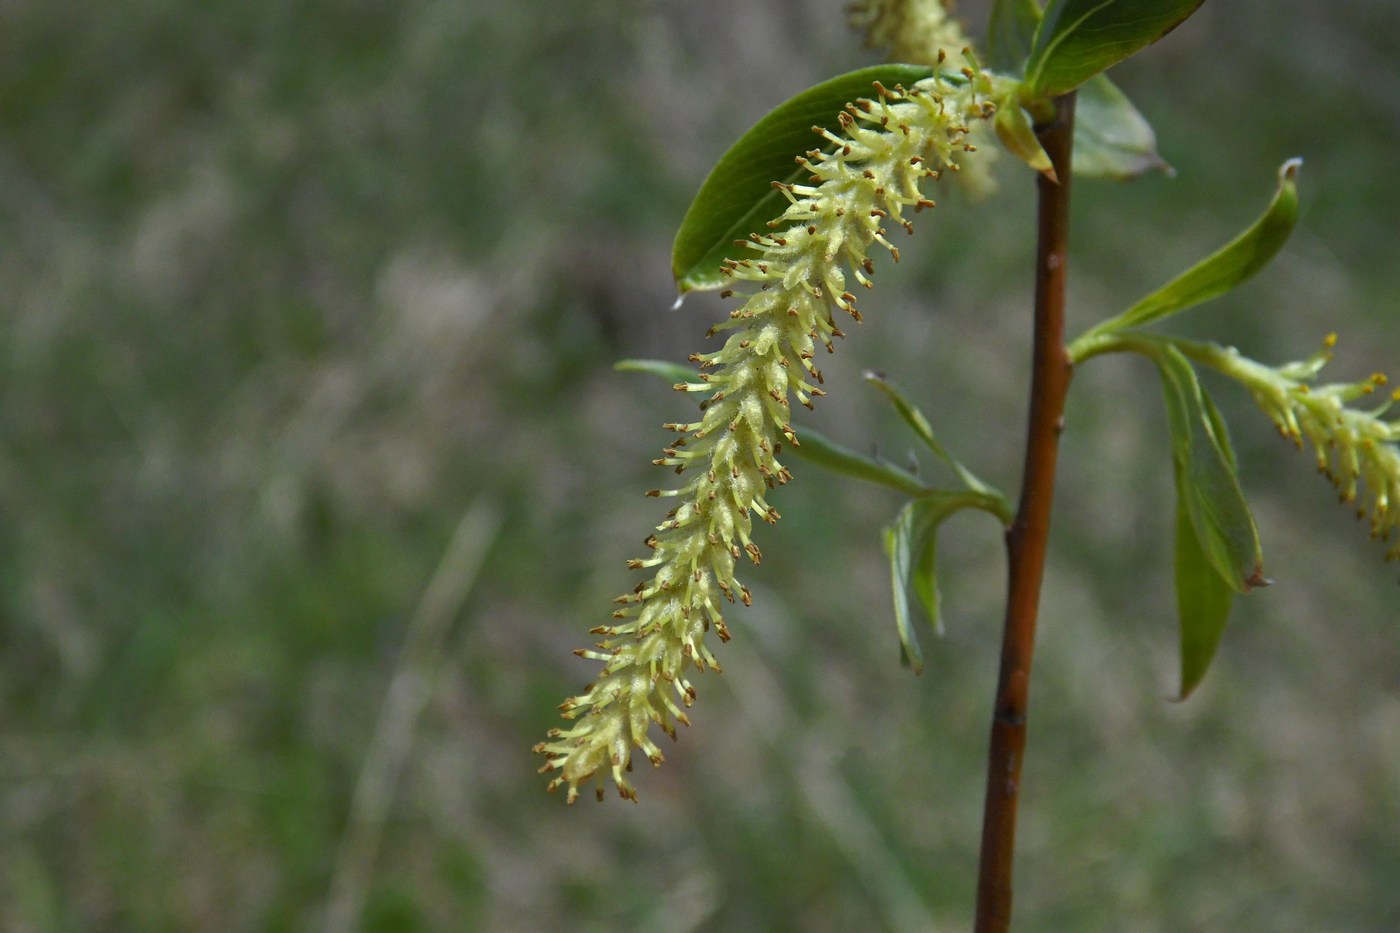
{"x":313,"y":470}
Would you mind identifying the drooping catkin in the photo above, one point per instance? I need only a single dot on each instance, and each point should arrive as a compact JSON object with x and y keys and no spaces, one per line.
{"x":795,"y":279}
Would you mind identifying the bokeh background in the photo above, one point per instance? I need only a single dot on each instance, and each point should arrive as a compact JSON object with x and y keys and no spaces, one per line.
{"x":314,"y":469}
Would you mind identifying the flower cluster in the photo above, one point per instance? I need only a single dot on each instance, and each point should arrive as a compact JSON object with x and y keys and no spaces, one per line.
{"x":912,"y":31}
{"x":1356,"y":448}
{"x":924,"y":32}
{"x":795,"y":280}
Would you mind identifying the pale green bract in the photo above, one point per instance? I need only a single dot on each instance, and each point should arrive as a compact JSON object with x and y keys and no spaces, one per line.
{"x":795,"y":278}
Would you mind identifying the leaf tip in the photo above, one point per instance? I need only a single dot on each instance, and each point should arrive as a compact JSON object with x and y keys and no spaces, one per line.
{"x":1288,"y":171}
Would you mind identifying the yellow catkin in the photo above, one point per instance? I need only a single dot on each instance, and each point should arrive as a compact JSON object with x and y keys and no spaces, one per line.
{"x":795,"y":279}
{"x":1356,"y":448}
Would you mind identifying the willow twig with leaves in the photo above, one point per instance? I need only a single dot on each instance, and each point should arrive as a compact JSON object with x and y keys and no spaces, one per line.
{"x":791,"y":231}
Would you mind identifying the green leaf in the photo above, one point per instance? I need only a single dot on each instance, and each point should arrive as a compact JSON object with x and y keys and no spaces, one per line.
{"x":897,"y":549}
{"x":924,"y":574}
{"x":1227,"y":267}
{"x":1206,"y":484}
{"x":824,"y":452}
{"x":1219,"y":430}
{"x":910,"y":544}
{"x":671,"y":372}
{"x":816,"y":448}
{"x":915,"y":419}
{"x":1078,"y":39}
{"x":738,"y":197}
{"x":1111,"y":138}
{"x":1010,"y":33}
{"x":911,"y":415}
{"x":1203,"y":603}
{"x":812,"y":447}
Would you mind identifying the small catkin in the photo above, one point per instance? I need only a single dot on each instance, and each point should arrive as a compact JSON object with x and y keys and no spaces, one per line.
{"x":1356,"y":448}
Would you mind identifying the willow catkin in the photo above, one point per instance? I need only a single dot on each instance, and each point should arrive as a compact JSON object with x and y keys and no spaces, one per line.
{"x":794,"y":278}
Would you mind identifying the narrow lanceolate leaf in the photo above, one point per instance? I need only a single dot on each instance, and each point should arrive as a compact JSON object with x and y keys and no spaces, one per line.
{"x":1078,"y":39}
{"x":1206,"y":485}
{"x":897,"y":548}
{"x":820,"y":450}
{"x":815,"y":447}
{"x":1229,"y":266}
{"x":1111,"y":138}
{"x":988,"y":499}
{"x":1202,"y":600}
{"x":738,"y":197}
{"x":671,"y":372}
{"x":910,"y":544}
{"x":924,"y":575}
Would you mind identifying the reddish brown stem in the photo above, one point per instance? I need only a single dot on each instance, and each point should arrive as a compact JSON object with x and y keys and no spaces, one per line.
{"x":1026,"y":538}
